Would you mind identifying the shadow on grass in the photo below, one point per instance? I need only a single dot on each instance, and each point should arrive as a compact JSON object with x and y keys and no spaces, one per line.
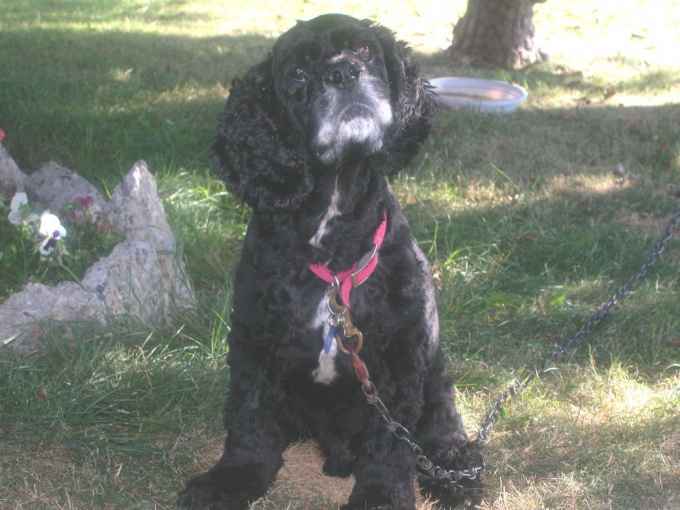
{"x":98,"y":101}
{"x":523,"y":273}
{"x":551,"y":75}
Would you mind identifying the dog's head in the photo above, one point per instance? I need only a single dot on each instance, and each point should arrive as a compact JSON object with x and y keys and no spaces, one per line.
{"x":331,"y":77}
{"x":334,"y":90}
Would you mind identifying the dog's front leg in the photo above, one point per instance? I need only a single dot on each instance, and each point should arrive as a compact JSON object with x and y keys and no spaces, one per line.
{"x":252,"y":452}
{"x":385,"y":464}
{"x":442,"y":436}
{"x":383,"y":473}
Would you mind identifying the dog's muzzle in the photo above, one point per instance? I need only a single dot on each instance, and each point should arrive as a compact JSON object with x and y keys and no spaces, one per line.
{"x":356,"y":110}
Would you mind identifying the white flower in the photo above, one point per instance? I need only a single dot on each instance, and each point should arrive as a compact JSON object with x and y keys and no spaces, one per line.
{"x":51,"y":226}
{"x":18,"y":200}
{"x":52,"y":229}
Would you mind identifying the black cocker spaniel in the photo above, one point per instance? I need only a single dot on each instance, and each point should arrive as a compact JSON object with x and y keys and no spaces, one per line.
{"x":307,"y":140}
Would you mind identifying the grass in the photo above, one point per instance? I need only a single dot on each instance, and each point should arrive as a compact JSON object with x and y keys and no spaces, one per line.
{"x":530,"y":222}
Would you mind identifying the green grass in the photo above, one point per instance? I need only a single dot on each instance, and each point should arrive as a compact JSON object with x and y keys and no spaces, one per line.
{"x":526,"y":224}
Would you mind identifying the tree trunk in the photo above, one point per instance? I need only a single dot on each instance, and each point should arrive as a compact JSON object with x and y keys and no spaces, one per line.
{"x":497,"y":33}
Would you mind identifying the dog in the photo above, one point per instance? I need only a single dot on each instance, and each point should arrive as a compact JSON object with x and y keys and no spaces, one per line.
{"x":308,"y":139}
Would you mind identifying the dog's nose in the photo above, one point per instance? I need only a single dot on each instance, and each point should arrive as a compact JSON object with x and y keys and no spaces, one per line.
{"x":343,"y":75}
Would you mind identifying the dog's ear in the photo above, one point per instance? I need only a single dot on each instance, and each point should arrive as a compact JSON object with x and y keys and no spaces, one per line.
{"x":412,"y":101}
{"x":254,"y":150}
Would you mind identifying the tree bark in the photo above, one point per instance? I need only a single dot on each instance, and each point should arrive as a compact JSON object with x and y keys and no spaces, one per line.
{"x":497,"y":33}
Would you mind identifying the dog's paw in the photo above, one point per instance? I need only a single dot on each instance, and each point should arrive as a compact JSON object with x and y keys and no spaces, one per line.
{"x":368,"y":506}
{"x":380,"y":499}
{"x":469,"y":456}
{"x":205,"y":493}
{"x":466,"y":493}
{"x":338,"y":467}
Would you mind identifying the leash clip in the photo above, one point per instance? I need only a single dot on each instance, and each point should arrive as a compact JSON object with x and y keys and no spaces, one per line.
{"x":340,"y":324}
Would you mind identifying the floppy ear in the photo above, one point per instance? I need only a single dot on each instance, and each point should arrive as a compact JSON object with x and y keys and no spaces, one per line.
{"x":254,"y":150}
{"x":412,"y":101}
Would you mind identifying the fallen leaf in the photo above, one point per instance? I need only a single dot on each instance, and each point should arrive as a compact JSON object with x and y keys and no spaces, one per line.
{"x":42,"y":394}
{"x":635,"y":123}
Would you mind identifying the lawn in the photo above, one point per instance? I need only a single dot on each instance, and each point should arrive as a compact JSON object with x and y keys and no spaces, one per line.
{"x":530,"y":221}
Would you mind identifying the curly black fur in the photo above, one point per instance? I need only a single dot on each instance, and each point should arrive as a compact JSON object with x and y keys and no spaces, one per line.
{"x":318,"y":196}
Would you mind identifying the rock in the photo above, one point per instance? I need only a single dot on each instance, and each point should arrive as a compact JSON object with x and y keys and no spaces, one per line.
{"x":67,"y":301}
{"x":129,"y":281}
{"x":55,"y":186}
{"x":137,"y":211}
{"x":143,"y":277}
{"x":11,"y":178}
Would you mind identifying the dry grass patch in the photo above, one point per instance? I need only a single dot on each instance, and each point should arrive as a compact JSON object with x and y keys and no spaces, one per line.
{"x":580,"y":439}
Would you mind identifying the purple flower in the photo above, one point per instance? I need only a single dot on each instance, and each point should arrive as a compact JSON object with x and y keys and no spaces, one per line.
{"x":87,"y":210}
{"x":84,"y":201}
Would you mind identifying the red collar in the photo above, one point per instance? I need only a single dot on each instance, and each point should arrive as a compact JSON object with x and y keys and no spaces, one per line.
{"x":359,"y":272}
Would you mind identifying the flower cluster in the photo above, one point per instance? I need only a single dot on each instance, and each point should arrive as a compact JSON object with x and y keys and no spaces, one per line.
{"x":50,"y":246}
{"x":84,"y":209}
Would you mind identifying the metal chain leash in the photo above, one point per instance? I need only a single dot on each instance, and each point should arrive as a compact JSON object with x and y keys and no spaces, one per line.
{"x":517,"y":387}
{"x":423,"y":463}
{"x":350,"y":342}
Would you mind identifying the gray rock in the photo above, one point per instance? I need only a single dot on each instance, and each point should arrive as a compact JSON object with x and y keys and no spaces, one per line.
{"x":55,"y":186}
{"x":129,"y":282}
{"x":11,"y":178}
{"x":137,"y":211}
{"x":67,"y":302}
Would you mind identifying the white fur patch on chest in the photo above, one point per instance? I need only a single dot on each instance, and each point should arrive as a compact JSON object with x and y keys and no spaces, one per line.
{"x":331,"y":213}
{"x":325,"y":373}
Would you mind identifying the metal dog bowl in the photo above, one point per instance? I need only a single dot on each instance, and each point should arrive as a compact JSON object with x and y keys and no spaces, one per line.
{"x":480,"y":95}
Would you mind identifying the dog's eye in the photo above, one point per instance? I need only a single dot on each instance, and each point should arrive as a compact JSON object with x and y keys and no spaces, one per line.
{"x":363,"y":51}
{"x":300,"y":75}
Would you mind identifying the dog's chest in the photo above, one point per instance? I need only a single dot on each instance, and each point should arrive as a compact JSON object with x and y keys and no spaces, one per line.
{"x":325,"y":372}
